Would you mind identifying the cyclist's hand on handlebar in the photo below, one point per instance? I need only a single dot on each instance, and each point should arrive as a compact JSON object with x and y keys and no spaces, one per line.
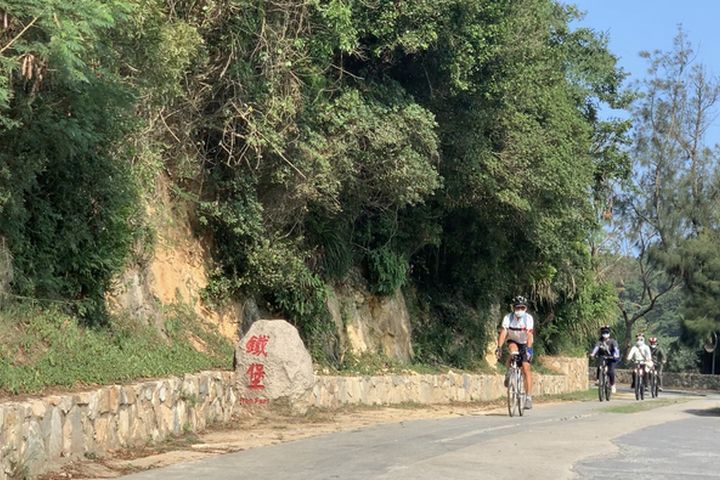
{"x":498,"y":351}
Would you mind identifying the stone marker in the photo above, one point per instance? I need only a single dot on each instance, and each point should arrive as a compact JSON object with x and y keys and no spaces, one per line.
{"x":271,"y":363}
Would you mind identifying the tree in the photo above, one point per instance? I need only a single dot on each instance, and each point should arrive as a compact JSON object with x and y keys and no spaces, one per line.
{"x":670,"y":207}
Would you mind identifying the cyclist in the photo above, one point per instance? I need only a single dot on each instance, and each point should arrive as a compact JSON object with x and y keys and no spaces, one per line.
{"x":658,"y":357}
{"x":517,"y":329}
{"x":607,"y":347}
{"x":641,"y":353}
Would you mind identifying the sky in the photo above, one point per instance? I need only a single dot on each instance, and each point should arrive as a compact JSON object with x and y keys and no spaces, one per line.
{"x":635,"y":25}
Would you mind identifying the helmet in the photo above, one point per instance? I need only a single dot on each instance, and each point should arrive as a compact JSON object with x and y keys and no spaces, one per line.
{"x":605,"y":329}
{"x":640,"y":336}
{"x":519,"y":301}
{"x":653,"y":341}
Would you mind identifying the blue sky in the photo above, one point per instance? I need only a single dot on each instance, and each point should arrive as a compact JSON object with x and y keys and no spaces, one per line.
{"x":635,"y":25}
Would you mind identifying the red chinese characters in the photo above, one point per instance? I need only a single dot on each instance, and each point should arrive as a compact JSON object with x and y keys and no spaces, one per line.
{"x":256,"y":371}
{"x":256,"y":345}
{"x":256,"y":374}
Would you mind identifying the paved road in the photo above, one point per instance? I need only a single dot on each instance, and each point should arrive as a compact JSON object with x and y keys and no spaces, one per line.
{"x":570,"y":440}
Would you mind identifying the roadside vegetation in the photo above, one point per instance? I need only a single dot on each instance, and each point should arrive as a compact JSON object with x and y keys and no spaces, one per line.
{"x":452,"y":149}
{"x":636,"y":407}
{"x":44,"y":347}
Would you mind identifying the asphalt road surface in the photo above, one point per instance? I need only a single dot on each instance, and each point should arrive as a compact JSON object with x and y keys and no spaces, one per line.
{"x":584,"y":440}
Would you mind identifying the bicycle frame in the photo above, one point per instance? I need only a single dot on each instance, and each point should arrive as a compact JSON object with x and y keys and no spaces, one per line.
{"x":654,"y":381}
{"x":516,"y":385}
{"x":604,"y":387}
{"x":639,"y":371}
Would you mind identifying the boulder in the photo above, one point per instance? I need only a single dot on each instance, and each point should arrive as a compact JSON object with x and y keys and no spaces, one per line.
{"x":271,"y":363}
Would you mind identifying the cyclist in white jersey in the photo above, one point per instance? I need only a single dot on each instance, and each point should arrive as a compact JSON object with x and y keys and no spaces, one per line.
{"x":517,"y":330}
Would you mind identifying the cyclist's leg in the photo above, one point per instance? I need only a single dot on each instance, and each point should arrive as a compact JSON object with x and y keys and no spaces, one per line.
{"x":526,"y":370}
{"x":660,"y":375}
{"x":512,"y":348}
{"x":611,"y":372}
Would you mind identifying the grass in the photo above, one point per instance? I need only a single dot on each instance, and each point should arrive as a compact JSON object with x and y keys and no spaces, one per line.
{"x":642,"y":406}
{"x":580,"y":396}
{"x":42,"y":347}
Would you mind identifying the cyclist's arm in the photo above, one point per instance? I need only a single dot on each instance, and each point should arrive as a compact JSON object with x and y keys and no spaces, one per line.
{"x":631,"y":352}
{"x":503,"y":330}
{"x":595,"y":350}
{"x":502,"y":336}
{"x":530,"y":325}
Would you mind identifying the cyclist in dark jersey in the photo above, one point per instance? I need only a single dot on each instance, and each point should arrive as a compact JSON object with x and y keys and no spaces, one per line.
{"x":659,"y":359}
{"x":607,"y":347}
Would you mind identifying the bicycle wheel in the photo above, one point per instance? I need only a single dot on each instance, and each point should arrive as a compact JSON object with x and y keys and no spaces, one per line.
{"x":608,"y":387}
{"x":511,"y":394}
{"x":601,"y":386}
{"x":654,"y":383}
{"x":520,"y":393}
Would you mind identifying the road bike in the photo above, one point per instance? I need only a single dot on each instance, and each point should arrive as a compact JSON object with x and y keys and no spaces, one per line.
{"x":604,"y":387}
{"x":516,"y":385}
{"x":654,"y":382}
{"x":639,"y":372}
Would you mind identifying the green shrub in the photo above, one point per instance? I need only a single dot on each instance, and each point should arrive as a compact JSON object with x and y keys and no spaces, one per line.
{"x":42,"y":347}
{"x":387,"y":270}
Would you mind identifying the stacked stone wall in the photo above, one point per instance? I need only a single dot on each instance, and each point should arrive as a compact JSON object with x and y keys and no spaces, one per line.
{"x":672,"y":380}
{"x":38,"y":435}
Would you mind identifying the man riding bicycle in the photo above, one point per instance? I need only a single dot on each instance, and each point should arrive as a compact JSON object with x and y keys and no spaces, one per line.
{"x":641,"y":353}
{"x":658,"y":357}
{"x":517,"y":329}
{"x":607,"y":347}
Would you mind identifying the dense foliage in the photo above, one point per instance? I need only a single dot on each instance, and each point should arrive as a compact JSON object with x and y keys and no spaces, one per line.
{"x":449,"y":146}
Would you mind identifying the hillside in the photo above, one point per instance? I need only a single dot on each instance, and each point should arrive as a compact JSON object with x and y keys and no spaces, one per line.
{"x":385,"y":176}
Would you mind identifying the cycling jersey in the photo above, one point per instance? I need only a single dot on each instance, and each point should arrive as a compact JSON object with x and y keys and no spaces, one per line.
{"x":640,"y":354}
{"x":518,"y":328}
{"x":658,"y":355}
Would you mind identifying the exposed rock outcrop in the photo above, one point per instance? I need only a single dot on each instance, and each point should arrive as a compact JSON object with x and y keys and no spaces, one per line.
{"x":369,"y":323}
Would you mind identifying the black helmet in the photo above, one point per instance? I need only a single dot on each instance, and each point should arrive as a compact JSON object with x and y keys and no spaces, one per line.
{"x":604,"y":329}
{"x":519,"y":301}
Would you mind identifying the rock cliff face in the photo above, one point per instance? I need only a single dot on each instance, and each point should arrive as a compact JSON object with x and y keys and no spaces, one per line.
{"x":371,"y":324}
{"x":175,"y":271}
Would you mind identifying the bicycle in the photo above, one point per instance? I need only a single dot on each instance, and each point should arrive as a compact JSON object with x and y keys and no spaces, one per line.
{"x":639,"y":381}
{"x":654,"y":382}
{"x":516,"y":385}
{"x":604,"y":387}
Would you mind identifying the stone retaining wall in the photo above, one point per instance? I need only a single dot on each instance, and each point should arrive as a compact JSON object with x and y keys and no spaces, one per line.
{"x":37,"y":435}
{"x":682,"y":381}
{"x":330,"y":392}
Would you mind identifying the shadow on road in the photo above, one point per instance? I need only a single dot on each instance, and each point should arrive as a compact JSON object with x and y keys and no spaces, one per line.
{"x":705,"y":412}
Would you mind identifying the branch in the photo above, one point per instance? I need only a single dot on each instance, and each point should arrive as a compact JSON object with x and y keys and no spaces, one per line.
{"x":652,"y":303}
{"x":22,"y":32}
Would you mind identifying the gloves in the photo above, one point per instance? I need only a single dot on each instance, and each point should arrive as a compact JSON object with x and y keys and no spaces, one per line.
{"x":497,"y":352}
{"x":529,"y":353}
